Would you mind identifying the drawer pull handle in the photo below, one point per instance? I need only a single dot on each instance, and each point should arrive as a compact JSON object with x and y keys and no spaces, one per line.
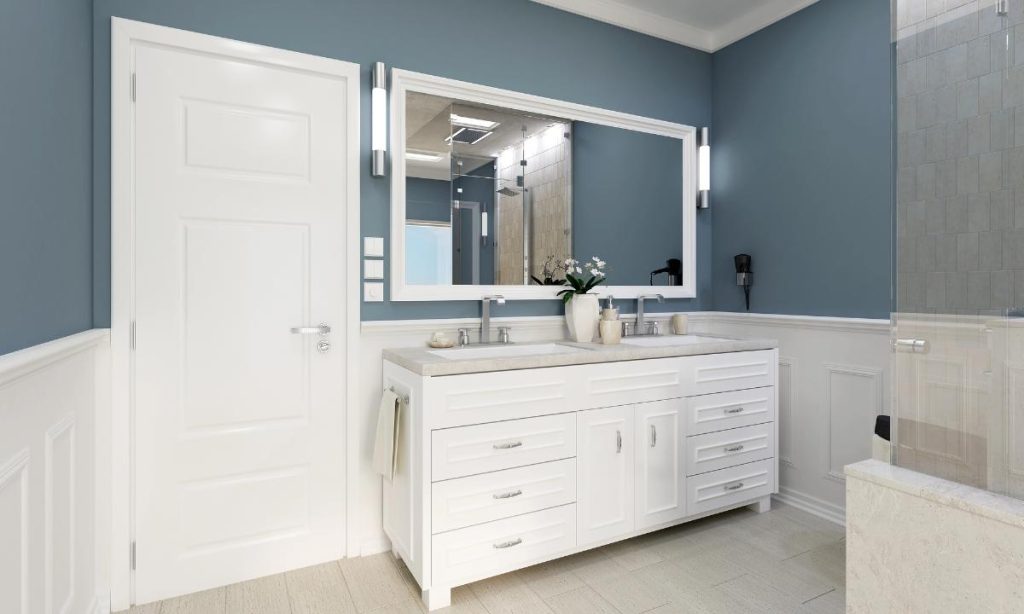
{"x":734,"y":410}
{"x":509,"y":543}
{"x":508,"y":445}
{"x":654,"y":436}
{"x":618,"y":442}
{"x":508,"y":495}
{"x":736,"y":448}
{"x":735,"y":486}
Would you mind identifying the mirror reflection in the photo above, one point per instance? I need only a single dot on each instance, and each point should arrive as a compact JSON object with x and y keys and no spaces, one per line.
{"x":496,"y":196}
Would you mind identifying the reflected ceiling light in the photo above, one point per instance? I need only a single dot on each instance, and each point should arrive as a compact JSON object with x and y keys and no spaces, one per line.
{"x":379,"y":115}
{"x":703,"y":168}
{"x":472,"y":122}
{"x":467,"y":136}
{"x":418,"y":156}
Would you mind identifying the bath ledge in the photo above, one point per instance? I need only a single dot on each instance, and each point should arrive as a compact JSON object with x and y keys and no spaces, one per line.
{"x":953,"y":494}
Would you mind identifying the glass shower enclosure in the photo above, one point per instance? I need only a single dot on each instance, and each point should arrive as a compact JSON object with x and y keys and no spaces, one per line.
{"x":957,"y":325}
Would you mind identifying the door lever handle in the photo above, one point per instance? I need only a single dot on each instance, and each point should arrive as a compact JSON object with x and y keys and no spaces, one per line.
{"x":322,"y":329}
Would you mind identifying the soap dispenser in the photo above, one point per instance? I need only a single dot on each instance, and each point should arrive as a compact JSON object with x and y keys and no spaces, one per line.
{"x":610,"y":327}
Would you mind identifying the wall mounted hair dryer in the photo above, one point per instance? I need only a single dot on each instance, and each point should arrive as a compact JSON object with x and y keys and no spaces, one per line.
{"x":674,"y":268}
{"x":744,"y":276}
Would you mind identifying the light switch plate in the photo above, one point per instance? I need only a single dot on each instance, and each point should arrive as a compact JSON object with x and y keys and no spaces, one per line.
{"x":373,"y":269}
{"x":373,"y":292}
{"x":373,"y":246}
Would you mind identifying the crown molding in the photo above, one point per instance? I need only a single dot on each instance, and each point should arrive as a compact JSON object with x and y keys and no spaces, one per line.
{"x":763,"y":16}
{"x":637,"y":20}
{"x":645,"y":22}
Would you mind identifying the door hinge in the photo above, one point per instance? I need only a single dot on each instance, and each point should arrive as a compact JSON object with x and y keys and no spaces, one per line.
{"x":133,"y":87}
{"x":131,"y":335}
{"x":133,"y":556}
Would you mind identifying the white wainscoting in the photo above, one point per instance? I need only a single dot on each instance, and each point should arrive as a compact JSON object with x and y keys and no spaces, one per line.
{"x":48,"y":522}
{"x":833,"y":381}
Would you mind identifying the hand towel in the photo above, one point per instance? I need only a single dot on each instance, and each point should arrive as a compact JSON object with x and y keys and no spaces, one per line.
{"x":385,"y":444}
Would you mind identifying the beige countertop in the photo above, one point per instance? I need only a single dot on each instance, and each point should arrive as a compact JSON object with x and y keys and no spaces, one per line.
{"x":422,"y":361}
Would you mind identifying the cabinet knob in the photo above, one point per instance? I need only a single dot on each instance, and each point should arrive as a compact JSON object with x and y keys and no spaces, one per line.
{"x":508,"y":445}
{"x":509,"y":543}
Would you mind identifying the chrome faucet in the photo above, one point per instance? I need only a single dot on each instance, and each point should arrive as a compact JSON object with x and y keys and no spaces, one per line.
{"x":485,"y":316}
{"x":641,"y":324}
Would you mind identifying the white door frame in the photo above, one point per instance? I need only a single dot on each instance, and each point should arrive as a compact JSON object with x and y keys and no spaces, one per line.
{"x":125,"y":34}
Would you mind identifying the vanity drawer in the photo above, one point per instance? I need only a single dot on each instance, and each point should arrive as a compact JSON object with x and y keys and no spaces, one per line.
{"x":491,"y":496}
{"x":728,"y":410}
{"x":732,"y":371}
{"x":634,"y":381}
{"x":485,"y":550}
{"x":469,"y":450}
{"x":714,"y":451}
{"x":717,"y":489}
{"x":458,"y":400}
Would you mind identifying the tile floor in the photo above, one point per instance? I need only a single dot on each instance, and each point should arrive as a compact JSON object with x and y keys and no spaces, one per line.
{"x":783,"y":561}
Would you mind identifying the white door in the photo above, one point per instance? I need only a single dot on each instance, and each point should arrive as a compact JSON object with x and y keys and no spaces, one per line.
{"x":605,"y":495}
{"x":660,"y":463}
{"x":241,"y":177}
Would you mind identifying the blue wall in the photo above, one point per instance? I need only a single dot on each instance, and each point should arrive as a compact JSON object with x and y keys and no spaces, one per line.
{"x":513,"y":44}
{"x":428,"y":199}
{"x":45,"y":170}
{"x":801,"y":165}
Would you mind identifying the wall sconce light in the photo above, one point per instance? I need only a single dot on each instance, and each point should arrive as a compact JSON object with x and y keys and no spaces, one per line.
{"x":379,"y":118}
{"x":703,"y":168}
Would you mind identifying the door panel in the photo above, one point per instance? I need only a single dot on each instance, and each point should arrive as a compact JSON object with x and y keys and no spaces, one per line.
{"x":605,"y":465}
{"x":240,"y":207}
{"x":660,"y":475}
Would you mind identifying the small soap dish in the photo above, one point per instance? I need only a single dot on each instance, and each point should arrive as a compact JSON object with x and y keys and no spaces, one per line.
{"x":440,"y":341}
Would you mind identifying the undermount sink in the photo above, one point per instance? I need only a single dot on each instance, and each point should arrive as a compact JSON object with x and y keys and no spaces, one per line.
{"x":501,"y":351}
{"x":669,"y":340}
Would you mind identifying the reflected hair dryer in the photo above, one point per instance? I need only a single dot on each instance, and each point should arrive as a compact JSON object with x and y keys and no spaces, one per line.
{"x":744,"y":276}
{"x":674,"y":268}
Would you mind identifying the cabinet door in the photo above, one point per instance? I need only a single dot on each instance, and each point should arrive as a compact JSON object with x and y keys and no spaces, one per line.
{"x":660,"y":462}
{"x":605,"y":466}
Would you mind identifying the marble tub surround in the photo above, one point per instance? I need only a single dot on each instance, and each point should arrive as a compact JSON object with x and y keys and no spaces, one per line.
{"x":421,"y":361}
{"x":917,"y":543}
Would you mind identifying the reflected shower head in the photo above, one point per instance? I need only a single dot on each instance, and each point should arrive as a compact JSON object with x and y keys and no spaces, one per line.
{"x":507,"y":191}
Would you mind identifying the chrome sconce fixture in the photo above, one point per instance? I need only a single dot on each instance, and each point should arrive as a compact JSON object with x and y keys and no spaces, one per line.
{"x":703,"y":168}
{"x":379,"y":118}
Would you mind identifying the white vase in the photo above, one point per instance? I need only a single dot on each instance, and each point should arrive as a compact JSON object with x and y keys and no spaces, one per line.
{"x":581,"y":314}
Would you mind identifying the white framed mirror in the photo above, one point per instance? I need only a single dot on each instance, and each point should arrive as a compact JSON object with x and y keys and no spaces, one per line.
{"x":491,"y":190}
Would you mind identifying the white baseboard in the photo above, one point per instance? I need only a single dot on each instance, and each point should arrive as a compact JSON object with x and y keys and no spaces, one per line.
{"x":375,"y":545}
{"x":812,"y":505}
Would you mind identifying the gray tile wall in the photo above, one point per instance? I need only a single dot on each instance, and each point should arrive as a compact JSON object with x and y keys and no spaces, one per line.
{"x":960,"y":156}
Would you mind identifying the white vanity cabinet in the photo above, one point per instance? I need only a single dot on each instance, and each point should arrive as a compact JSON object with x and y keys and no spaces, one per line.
{"x":505,"y":469}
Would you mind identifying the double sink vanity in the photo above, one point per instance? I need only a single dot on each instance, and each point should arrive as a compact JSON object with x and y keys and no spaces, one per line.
{"x":510,"y":455}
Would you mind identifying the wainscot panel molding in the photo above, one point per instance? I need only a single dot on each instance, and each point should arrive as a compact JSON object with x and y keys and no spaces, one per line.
{"x":808,"y":448}
{"x":53,"y":534}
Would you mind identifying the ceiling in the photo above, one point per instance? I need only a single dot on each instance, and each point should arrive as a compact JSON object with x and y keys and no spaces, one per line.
{"x":707,"y":25}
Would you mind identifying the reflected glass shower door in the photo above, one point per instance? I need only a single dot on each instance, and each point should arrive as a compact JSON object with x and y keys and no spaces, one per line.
{"x":958,"y":360}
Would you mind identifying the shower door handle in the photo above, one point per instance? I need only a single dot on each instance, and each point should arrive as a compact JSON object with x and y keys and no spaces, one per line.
{"x":913,"y":346}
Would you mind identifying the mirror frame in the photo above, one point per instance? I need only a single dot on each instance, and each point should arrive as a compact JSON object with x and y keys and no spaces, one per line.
{"x":403,"y":81}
